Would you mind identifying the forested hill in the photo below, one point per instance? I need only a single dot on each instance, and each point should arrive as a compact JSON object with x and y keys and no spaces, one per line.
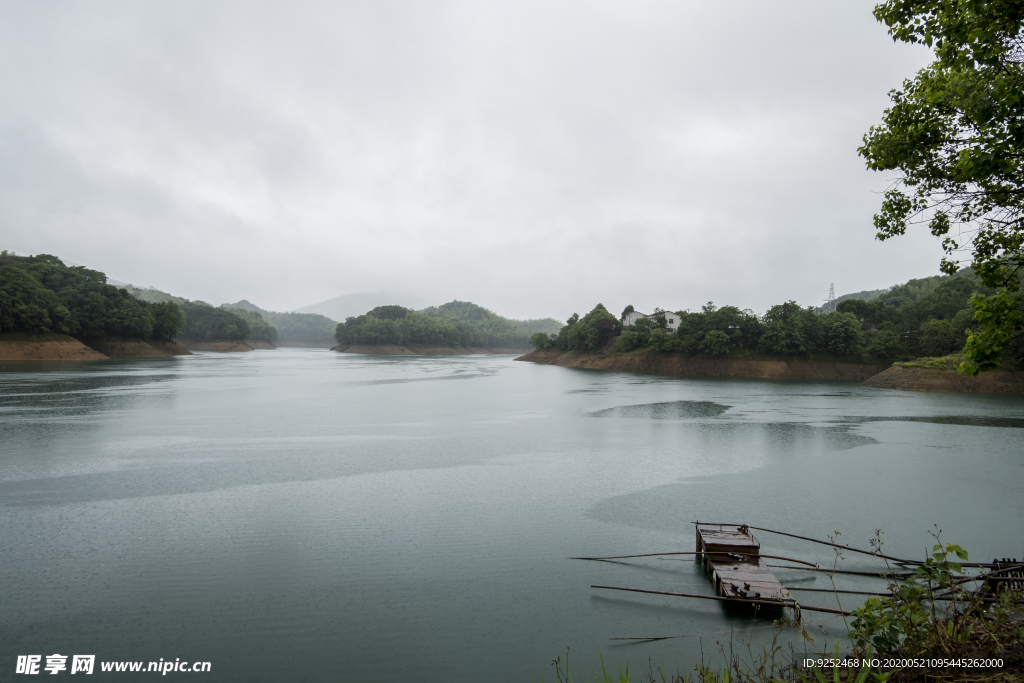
{"x":204,"y":322}
{"x":262,"y":325}
{"x":455,"y":324}
{"x":911,"y":291}
{"x":298,"y":328}
{"x":39,"y":294}
{"x":927,"y":317}
{"x":483,"y":328}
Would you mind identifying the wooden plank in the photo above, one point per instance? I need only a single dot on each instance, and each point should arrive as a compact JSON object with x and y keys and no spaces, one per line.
{"x":735,"y":540}
{"x":736,"y":577}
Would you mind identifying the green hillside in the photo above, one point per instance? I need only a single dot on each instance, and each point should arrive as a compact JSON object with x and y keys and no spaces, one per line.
{"x":455,"y":324}
{"x":39,"y":294}
{"x":483,"y":328}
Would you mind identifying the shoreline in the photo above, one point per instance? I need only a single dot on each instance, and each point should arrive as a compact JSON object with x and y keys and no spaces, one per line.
{"x":907,"y":377}
{"x":127,"y":347}
{"x":225,"y":345}
{"x":678,"y":364}
{"x":920,"y":375}
{"x":60,"y":347}
{"x":396,"y":350}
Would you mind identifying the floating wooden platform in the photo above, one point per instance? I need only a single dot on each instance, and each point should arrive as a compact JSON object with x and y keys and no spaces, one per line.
{"x":732,"y":556}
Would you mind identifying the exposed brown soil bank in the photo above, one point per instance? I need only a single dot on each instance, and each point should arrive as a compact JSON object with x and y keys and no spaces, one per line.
{"x":941,"y":379}
{"x":54,"y":347}
{"x":260,"y":344}
{"x":124,"y":347}
{"x":679,"y":364}
{"x":396,"y":350}
{"x":301,"y":345}
{"x":216,"y":345}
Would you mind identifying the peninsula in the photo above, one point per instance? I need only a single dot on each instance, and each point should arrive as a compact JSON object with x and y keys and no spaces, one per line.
{"x":906,"y":337}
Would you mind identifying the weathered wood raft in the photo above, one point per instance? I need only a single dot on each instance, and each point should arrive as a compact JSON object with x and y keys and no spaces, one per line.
{"x":732,"y":556}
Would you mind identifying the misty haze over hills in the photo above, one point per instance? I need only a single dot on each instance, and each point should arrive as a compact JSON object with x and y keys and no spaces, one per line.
{"x":350,"y":305}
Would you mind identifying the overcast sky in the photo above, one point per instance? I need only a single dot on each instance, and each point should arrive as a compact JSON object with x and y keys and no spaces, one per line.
{"x":533,"y":157}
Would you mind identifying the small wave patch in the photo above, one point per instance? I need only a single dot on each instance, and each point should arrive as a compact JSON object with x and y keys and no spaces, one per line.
{"x":669,"y":410}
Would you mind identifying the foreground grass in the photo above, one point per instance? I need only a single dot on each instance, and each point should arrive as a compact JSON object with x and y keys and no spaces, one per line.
{"x":951,"y":362}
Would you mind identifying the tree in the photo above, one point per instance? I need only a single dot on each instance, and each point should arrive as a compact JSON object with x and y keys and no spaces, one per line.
{"x":587,"y":334}
{"x":168,"y":320}
{"x":204,"y":322}
{"x":955,"y":135}
{"x":886,"y":344}
{"x":715,"y":342}
{"x":259,"y":329}
{"x":788,"y":330}
{"x":843,"y":334}
{"x":27,"y":306}
{"x":541,"y":341}
{"x":636,"y":337}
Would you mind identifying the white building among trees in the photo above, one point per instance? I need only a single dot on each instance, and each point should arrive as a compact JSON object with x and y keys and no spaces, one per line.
{"x":629,"y":317}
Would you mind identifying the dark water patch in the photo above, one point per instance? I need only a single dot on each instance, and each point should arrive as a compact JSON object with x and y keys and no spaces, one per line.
{"x":960,"y":420}
{"x":741,"y":450}
{"x":174,"y":475}
{"x":375,"y":382}
{"x":785,"y":437}
{"x":13,"y":389}
{"x":669,"y":410}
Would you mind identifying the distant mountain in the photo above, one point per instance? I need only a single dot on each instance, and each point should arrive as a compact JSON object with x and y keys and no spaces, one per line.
{"x":351,"y":305}
{"x":294,"y":328}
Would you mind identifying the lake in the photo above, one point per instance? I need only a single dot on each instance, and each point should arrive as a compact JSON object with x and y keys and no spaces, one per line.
{"x":305,"y":515}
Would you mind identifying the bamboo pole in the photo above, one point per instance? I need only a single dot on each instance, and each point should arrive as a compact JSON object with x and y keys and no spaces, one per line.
{"x":850,"y":572}
{"x":698,"y":552}
{"x":772,"y":603}
{"x":836,"y":545}
{"x":854,"y":550}
{"x":943,"y":598}
{"x":830,"y":590}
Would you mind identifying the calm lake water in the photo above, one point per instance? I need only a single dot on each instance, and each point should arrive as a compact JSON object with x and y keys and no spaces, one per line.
{"x":303,"y":515}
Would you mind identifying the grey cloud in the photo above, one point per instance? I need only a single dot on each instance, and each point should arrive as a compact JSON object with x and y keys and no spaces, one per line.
{"x":533,"y":157}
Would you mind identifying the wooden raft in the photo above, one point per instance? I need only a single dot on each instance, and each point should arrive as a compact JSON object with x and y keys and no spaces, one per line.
{"x":732,"y":556}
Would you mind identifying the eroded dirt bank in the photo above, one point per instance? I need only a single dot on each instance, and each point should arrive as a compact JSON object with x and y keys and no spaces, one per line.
{"x":65,"y":348}
{"x":396,"y":350}
{"x":124,"y":347}
{"x":678,"y":364}
{"x":930,"y":379}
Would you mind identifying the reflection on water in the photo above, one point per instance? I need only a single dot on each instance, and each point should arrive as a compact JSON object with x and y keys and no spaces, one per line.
{"x":304,"y":515}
